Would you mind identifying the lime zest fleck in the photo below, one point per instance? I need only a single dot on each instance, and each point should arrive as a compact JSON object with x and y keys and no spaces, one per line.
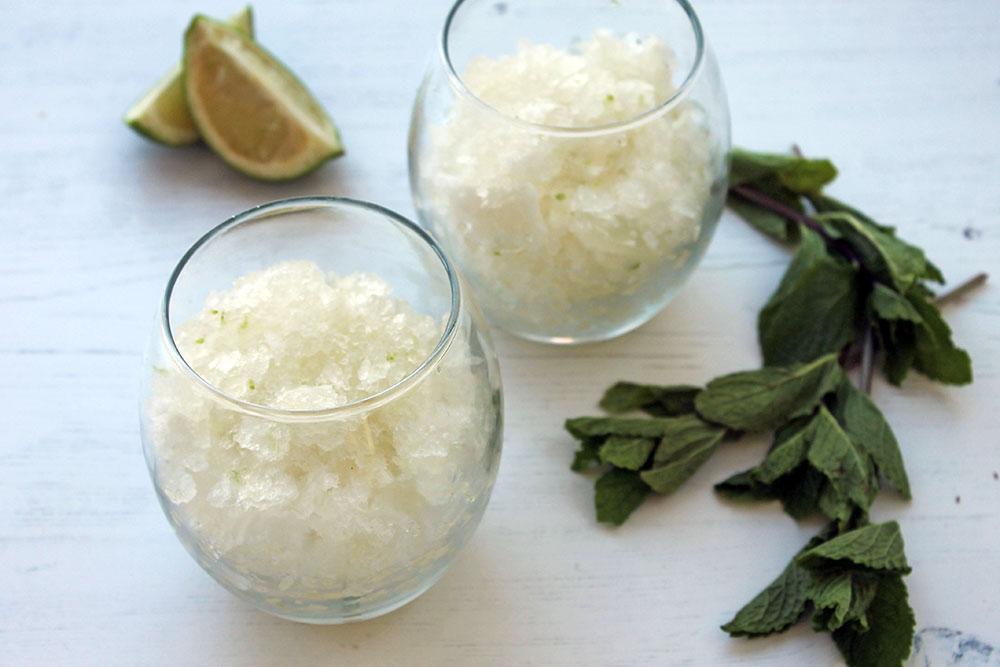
{"x":610,"y":98}
{"x":391,"y":356}
{"x":635,"y":266}
{"x":496,"y":252}
{"x":246,"y":321}
{"x":560,"y":196}
{"x":235,"y":474}
{"x":199,"y":341}
{"x":215,"y":312}
{"x":160,"y":370}
{"x":251,"y":385}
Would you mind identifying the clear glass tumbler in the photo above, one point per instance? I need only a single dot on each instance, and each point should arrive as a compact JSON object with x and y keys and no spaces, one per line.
{"x":323,"y":444}
{"x":571,"y":156}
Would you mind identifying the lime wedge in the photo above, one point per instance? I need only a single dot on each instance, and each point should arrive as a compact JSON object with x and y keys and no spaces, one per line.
{"x":249,"y":108}
{"x":162,"y":114}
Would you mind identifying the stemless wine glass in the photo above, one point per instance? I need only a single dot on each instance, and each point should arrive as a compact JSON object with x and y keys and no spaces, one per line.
{"x":571,"y":156}
{"x":309,"y":507}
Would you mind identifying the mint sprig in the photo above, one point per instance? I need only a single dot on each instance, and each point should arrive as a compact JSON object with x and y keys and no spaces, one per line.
{"x":853,"y":292}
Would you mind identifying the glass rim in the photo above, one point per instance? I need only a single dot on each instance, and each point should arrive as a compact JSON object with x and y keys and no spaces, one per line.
{"x":584,"y":130}
{"x":365,"y":404}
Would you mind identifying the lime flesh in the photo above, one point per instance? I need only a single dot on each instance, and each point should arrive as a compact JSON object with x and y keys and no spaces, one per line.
{"x":161,"y":114}
{"x":249,"y":108}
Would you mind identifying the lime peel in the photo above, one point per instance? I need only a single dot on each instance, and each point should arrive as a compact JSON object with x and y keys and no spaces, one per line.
{"x":161,"y":114}
{"x":249,"y":108}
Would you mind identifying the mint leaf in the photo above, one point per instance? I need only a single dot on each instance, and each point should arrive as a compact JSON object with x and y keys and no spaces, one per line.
{"x":683,"y":434}
{"x":800,"y":491}
{"x":625,"y":452}
{"x":933,"y":273}
{"x":741,"y":487}
{"x":864,"y":423}
{"x":896,"y":321}
{"x":780,"y":604}
{"x":788,"y":452}
{"x":889,"y":638}
{"x":891,"y":260}
{"x":771,"y":186}
{"x":746,"y":166}
{"x":616,"y":495}
{"x":841,"y":597}
{"x":814,"y":464}
{"x":669,"y":477}
{"x":876,"y":547}
{"x":798,"y":174}
{"x":814,"y":310}
{"x":590,"y":427}
{"x":762,"y":400}
{"x":681,"y":453}
{"x":805,"y":175}
{"x":587,"y":455}
{"x":898,"y":342}
{"x":830,"y":593}
{"x":655,"y":400}
{"x":775,"y":608}
{"x":835,"y":504}
{"x":818,"y":464}
{"x":888,"y":304}
{"x":825,"y":204}
{"x":846,"y":466}
{"x":765,"y":221}
{"x":936,"y":354}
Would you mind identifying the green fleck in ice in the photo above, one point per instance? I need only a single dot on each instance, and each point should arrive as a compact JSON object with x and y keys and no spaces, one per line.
{"x":635,"y":266}
{"x":246,"y":321}
{"x":235,"y":474}
{"x":610,"y":98}
{"x":391,"y":356}
{"x":560,"y":196}
{"x":200,"y":341}
{"x":251,"y":385}
{"x":159,"y":370}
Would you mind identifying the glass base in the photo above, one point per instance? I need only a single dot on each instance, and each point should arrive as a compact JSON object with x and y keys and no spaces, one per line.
{"x":345,"y":614}
{"x":314,"y":608}
{"x":583,"y":339}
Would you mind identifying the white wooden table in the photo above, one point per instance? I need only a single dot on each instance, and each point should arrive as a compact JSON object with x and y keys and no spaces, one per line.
{"x":903,"y":94}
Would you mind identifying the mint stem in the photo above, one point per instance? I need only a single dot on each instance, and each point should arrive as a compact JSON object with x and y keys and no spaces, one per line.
{"x":867,"y":359}
{"x":775,"y":206}
{"x":962,"y":289}
{"x":789,"y":213}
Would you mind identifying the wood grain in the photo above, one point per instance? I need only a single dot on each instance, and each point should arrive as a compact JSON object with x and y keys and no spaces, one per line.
{"x":903,"y":94}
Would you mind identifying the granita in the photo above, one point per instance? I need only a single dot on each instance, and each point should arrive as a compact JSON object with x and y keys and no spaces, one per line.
{"x":330,"y":507}
{"x":557,"y":226}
